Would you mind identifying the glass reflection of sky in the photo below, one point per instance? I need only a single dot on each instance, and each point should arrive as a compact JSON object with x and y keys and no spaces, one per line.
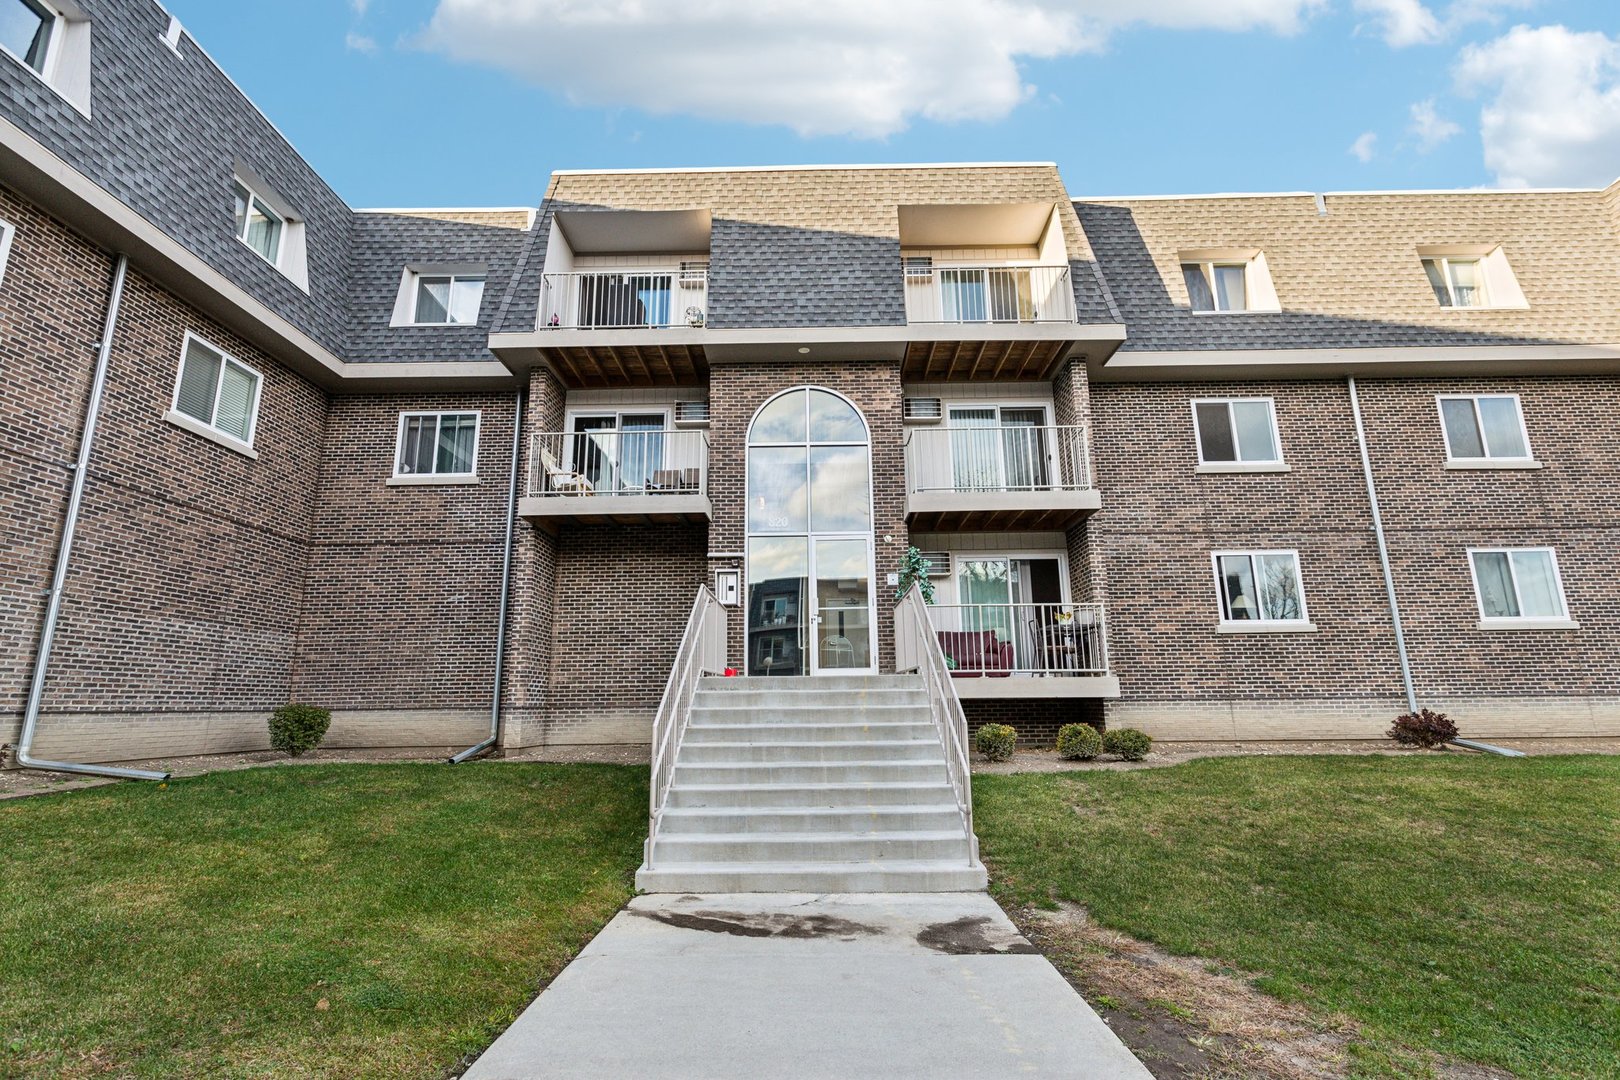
{"x":782,"y":421}
{"x":778,"y":495}
{"x":771,"y":559}
{"x":832,"y":419}
{"x":839,"y":495}
{"x":844,"y":559}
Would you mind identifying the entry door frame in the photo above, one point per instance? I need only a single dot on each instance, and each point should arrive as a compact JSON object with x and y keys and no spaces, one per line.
{"x":813,"y":667}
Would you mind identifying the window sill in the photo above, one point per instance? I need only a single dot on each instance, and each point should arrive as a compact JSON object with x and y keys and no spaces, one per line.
{"x":1261,"y":627}
{"x":430,"y":480}
{"x":1240,"y":311}
{"x":1217,"y":467}
{"x":1489,"y":463}
{"x":197,"y":427}
{"x":1529,"y":624}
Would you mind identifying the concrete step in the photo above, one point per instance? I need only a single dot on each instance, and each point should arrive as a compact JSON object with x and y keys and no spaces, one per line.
{"x":808,"y":849}
{"x":912,"y":794}
{"x":733,"y":753}
{"x":811,"y":772}
{"x":877,"y":731}
{"x":842,"y":699}
{"x":941,"y":817}
{"x":812,"y":684}
{"x":925,"y":875}
{"x":805,"y":713}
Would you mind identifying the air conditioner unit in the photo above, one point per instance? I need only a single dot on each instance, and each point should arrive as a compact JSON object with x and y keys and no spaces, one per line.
{"x":924,"y":410}
{"x":691,"y":412}
{"x":919,"y":267}
{"x":939,"y":563}
{"x":694,"y":275}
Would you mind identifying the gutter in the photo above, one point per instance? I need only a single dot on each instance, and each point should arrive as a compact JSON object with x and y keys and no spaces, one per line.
{"x":506,"y":584}
{"x":1383,"y":549}
{"x":64,"y":553}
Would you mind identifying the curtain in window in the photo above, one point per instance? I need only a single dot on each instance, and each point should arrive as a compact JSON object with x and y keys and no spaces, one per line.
{"x":1462,"y":433}
{"x":1023,"y":443}
{"x":1465,"y":283}
{"x":1198,"y":290}
{"x":455,"y":444}
{"x":975,"y":461}
{"x":199,"y":382}
{"x":1231,"y":288}
{"x":432,"y":299}
{"x":1495,"y":574}
{"x":963,"y":294}
{"x":416,"y":453}
{"x":1538,"y":584}
{"x":263,"y":230}
{"x":641,"y":449}
{"x":1499,"y":417}
{"x":236,"y":390}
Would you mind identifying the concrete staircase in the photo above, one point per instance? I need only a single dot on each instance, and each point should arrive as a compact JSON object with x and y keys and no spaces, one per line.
{"x":827,"y":784}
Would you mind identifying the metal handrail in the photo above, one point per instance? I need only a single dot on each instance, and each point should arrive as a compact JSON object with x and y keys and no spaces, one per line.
{"x":1045,"y":639}
{"x":624,"y":298}
{"x":609,"y":462}
{"x":702,"y":652}
{"x":916,"y":648}
{"x":988,"y":294}
{"x":1001,"y":457}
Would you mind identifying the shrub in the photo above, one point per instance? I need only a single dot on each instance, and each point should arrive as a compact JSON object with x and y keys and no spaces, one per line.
{"x":1079,"y":742}
{"x":298,"y":729}
{"x":996,"y":741}
{"x":1128,"y":743}
{"x":1424,"y":728}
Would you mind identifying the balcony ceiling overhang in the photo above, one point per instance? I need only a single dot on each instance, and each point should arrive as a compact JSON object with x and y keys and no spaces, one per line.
{"x":621,"y":232}
{"x":974,"y":224}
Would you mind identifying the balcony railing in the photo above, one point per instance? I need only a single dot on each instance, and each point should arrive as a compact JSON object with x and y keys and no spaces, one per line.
{"x":583,"y":464}
{"x":989,"y":294}
{"x":624,"y":299}
{"x":997,"y":458}
{"x":1006,"y":640}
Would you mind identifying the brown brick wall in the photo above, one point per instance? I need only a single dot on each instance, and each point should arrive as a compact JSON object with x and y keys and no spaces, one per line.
{"x":1037,"y":722}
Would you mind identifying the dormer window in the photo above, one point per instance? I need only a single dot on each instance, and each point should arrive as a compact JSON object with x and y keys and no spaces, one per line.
{"x":1227,"y":281}
{"x":448,"y":299}
{"x":1471,"y":277}
{"x":1456,"y":282}
{"x":257,"y":225}
{"x":27,"y":31}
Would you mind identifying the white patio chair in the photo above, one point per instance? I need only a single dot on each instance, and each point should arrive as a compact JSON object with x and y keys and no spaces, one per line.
{"x":563,"y":480}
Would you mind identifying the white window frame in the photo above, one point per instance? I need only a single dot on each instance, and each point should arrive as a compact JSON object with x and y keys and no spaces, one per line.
{"x":1207,"y":267}
{"x":414,"y":285}
{"x":53,"y":41}
{"x":1278,"y":465}
{"x":1224,"y":625}
{"x":1521,"y":621}
{"x":1443,"y":263}
{"x":403,"y":478}
{"x":206,"y":428}
{"x":7,"y":232}
{"x":266,"y":206}
{"x":1525,"y":461}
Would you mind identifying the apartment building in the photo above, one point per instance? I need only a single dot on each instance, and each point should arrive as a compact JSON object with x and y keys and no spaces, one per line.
{"x":1216,"y":467}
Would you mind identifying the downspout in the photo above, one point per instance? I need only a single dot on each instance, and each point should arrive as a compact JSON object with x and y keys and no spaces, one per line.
{"x":64,"y":552}
{"x":506,"y":585}
{"x":1383,"y":549}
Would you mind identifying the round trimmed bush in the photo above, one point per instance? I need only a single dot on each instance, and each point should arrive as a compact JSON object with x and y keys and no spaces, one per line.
{"x":298,"y":729}
{"x":1128,"y":743}
{"x":1079,"y":742}
{"x":996,"y":741}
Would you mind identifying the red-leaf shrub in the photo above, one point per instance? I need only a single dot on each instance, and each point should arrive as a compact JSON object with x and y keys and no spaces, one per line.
{"x":1424,"y":728}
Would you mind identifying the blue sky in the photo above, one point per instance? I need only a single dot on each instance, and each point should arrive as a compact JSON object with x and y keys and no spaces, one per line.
{"x":473,"y":102}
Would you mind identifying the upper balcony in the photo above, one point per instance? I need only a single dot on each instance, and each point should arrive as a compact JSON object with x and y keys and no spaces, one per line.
{"x":998,"y":478}
{"x":1014,"y":650}
{"x":597,"y":476}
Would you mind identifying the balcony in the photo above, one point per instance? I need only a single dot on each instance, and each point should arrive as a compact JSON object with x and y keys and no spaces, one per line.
{"x":597,"y":477}
{"x":998,"y":478}
{"x":988,"y":322}
{"x":1016,"y":650}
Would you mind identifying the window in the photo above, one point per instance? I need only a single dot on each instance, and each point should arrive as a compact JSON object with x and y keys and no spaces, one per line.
{"x":1217,"y":286}
{"x":448,"y":299}
{"x":1237,"y":431}
{"x":437,"y":444}
{"x":1517,"y":584}
{"x":1260,"y":587}
{"x":1484,"y":427}
{"x":7,"y":231}
{"x":257,"y":225}
{"x":27,"y":29}
{"x":1456,"y":282}
{"x":217,"y":391}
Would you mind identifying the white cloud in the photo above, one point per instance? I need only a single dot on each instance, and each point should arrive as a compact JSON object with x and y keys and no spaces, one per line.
{"x":821,"y":67}
{"x":1402,"y":23}
{"x":359,"y":42}
{"x":1430,"y":127}
{"x":1553,"y":114}
{"x":360,"y":6}
{"x":1365,"y":148}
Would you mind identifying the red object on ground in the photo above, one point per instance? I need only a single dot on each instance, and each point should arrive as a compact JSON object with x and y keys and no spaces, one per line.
{"x":730,"y":671}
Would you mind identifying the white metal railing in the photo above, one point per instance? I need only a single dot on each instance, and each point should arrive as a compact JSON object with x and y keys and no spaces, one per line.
{"x":998,"y":458}
{"x":988,"y":294}
{"x":702,"y":651}
{"x":1000,"y":640}
{"x":916,"y":648}
{"x":615,"y":462}
{"x":601,"y":299}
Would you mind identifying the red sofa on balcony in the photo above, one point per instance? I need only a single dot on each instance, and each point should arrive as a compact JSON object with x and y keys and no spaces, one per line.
{"x":977,"y":653}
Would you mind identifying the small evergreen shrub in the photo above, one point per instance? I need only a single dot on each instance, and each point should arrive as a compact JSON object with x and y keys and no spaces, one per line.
{"x":1128,"y":743}
{"x":298,"y":729}
{"x":1079,"y":742}
{"x":996,"y":741}
{"x":1424,"y":728}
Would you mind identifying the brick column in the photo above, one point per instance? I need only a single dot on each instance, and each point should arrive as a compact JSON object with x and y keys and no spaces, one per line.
{"x":1071,"y":400}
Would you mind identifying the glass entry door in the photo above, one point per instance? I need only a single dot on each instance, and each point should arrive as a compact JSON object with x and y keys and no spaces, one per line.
{"x":810,"y":588}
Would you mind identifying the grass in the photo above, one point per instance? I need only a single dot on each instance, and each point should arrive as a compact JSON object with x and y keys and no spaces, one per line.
{"x":1461,"y":906}
{"x":321,"y":920}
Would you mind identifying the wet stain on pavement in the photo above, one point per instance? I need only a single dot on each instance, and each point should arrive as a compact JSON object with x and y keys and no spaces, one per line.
{"x":771,"y":925}
{"x":974,"y":936}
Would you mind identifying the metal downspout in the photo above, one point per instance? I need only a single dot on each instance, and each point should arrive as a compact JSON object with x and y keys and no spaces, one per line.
{"x":64,"y":552}
{"x":1383,"y":549}
{"x":506,"y":584}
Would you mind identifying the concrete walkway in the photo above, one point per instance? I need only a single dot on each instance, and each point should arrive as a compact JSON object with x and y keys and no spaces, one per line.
{"x":761,"y":985}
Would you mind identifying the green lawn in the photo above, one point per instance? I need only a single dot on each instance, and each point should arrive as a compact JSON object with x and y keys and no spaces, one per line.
{"x":326,"y":920}
{"x":1464,"y":905}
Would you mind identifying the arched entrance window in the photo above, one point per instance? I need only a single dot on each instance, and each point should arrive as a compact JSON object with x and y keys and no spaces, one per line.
{"x":810,"y":599}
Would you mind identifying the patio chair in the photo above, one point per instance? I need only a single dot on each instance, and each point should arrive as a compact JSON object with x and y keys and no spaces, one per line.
{"x":561,"y":480}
